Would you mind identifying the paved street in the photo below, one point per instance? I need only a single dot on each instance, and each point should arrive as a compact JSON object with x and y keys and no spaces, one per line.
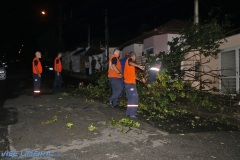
{"x":41,"y":125}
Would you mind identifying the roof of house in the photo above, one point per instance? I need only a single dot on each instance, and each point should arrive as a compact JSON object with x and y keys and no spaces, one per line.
{"x":79,"y":51}
{"x":172,"y":27}
{"x":94,"y":49}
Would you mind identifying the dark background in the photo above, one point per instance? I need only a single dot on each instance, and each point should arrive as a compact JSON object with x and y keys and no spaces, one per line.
{"x":25,"y":30}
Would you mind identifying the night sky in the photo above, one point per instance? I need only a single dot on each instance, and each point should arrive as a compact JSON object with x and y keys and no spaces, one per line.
{"x":23,"y":23}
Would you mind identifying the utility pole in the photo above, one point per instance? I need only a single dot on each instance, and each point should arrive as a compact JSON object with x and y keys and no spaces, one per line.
{"x":60,"y":28}
{"x":89,"y":36}
{"x":196,"y":21}
{"x":106,"y":35}
{"x":196,"y":15}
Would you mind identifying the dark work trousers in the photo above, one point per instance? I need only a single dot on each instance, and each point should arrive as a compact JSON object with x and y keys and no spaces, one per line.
{"x":116,"y":84}
{"x":123,"y":86}
{"x":132,"y":97}
{"x":36,"y":84}
{"x":57,"y":82}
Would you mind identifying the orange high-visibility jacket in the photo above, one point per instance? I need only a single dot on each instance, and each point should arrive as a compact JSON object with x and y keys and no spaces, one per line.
{"x":59,"y":68}
{"x":129,"y":73}
{"x":39,"y":66}
{"x":111,"y":72}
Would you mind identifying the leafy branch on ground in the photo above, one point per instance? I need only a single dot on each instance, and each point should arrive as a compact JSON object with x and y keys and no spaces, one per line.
{"x":55,"y":118}
{"x":126,"y":122}
{"x":89,"y":100}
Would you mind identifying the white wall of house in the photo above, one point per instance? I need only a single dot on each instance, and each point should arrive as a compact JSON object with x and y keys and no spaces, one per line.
{"x":148,"y":43}
{"x":127,"y":49}
{"x":208,"y":65}
{"x":69,"y":56}
{"x":65,"y":60}
{"x":110,"y":51}
{"x":158,"y":43}
{"x":137,"y":48}
{"x":232,"y":41}
{"x":76,"y":63}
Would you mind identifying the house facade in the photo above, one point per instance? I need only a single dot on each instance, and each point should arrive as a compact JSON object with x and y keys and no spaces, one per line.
{"x":75,"y":60}
{"x":150,"y":46}
{"x":222,"y":71}
{"x":71,"y":60}
{"x":154,"y":41}
{"x":226,"y":64}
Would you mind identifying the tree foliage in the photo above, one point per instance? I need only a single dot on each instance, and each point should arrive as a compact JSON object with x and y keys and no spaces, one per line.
{"x":204,"y":41}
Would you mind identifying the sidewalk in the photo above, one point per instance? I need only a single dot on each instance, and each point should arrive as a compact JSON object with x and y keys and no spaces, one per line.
{"x":33,"y":133}
{"x":42,"y":126}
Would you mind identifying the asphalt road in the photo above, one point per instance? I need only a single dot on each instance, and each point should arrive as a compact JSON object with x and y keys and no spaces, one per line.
{"x":19,"y":82}
{"x":40,"y":125}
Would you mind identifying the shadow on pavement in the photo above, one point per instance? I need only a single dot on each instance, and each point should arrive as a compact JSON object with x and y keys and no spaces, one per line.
{"x":8,"y":116}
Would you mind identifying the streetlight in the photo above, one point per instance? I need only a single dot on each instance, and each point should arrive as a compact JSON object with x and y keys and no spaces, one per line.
{"x":43,"y":12}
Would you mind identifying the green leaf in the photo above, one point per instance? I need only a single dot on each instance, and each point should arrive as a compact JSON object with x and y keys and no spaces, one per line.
{"x":91,"y":128}
{"x":69,"y":125}
{"x":50,"y":121}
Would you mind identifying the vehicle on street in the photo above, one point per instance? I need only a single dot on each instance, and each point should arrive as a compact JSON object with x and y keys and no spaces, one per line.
{"x":3,"y":73}
{"x":48,"y":65}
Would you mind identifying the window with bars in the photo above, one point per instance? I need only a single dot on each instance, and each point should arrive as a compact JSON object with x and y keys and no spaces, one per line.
{"x":149,"y":51}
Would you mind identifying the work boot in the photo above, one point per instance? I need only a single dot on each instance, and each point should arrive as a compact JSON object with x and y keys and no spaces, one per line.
{"x":116,"y":106}
{"x":109,"y":103}
{"x":133,"y":117}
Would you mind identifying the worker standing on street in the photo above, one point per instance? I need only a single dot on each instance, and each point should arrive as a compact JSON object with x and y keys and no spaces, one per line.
{"x":130,"y":85}
{"x":58,"y":74}
{"x":115,"y":78}
{"x":37,"y":73}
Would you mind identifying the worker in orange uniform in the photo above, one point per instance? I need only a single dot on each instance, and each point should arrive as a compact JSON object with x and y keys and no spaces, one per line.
{"x":115,"y":78}
{"x":37,"y":73}
{"x":58,"y":74}
{"x":130,"y":85}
